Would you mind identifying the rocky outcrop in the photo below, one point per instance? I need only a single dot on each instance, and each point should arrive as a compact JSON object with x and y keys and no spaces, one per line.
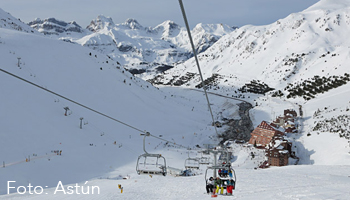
{"x":239,"y":129}
{"x":52,"y":26}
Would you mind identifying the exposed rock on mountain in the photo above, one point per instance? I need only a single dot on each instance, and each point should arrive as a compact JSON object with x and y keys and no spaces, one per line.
{"x":7,"y":21}
{"x":100,"y":23}
{"x":53,"y":26}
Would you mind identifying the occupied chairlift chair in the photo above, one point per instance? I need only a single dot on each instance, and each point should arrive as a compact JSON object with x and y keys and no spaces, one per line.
{"x":224,"y":164}
{"x":154,"y":164}
{"x":225,"y":157}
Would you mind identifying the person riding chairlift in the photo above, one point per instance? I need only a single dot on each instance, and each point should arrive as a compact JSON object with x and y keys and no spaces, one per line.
{"x":224,"y":173}
{"x":210,"y":185}
{"x":218,"y":183}
{"x":230,"y":187}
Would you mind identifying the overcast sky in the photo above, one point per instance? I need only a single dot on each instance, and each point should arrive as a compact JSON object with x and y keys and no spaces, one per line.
{"x":154,"y":12}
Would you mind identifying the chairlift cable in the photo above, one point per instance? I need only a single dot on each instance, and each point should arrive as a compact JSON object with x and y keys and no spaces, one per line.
{"x":197,"y":62}
{"x":79,"y":104}
{"x":86,"y":107}
{"x":169,"y":141}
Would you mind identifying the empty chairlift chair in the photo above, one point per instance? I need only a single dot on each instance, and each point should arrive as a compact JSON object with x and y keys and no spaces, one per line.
{"x":191,"y":163}
{"x":147,"y":163}
{"x":204,"y":160}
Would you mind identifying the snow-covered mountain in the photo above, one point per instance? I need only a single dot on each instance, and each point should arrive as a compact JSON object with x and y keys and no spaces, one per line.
{"x":312,"y":42}
{"x":53,"y":26}
{"x":298,"y":62}
{"x":35,"y":124}
{"x":137,"y":48}
{"x":9,"y":22}
{"x":300,"y":59}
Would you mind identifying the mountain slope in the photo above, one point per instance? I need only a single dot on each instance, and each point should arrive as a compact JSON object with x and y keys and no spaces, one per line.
{"x":9,"y":22}
{"x":300,"y":59}
{"x":34,"y":124}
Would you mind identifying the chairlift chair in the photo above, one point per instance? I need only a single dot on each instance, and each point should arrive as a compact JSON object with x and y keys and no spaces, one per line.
{"x":224,"y":164}
{"x":215,"y":169}
{"x":204,"y":160}
{"x":192,"y":163}
{"x":154,"y":164}
{"x":225,"y":157}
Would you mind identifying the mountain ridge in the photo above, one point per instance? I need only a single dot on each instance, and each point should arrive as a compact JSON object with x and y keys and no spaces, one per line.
{"x":141,"y":48}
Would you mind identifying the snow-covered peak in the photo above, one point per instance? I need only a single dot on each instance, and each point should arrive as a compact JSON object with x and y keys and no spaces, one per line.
{"x":100,"y":23}
{"x":217,"y":29}
{"x":168,"y":24}
{"x":167,"y":29}
{"x":165,"y":44}
{"x":330,"y":5}
{"x":9,"y":22}
{"x":132,"y":24}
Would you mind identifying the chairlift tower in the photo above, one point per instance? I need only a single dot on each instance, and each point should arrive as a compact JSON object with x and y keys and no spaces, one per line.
{"x":81,"y":122}
{"x":66,"y":109}
{"x":19,"y":62}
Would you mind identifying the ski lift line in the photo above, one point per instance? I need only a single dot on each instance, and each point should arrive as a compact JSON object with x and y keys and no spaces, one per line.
{"x":169,"y":141}
{"x":86,"y":107}
{"x":79,"y":104}
{"x":197,"y":62}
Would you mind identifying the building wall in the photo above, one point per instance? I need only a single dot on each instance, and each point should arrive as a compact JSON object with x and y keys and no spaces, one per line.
{"x":263,"y":134}
{"x":277,"y":159}
{"x":290,"y":111}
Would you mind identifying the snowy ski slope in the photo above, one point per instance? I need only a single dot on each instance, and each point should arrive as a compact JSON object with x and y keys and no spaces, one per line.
{"x":96,"y":156}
